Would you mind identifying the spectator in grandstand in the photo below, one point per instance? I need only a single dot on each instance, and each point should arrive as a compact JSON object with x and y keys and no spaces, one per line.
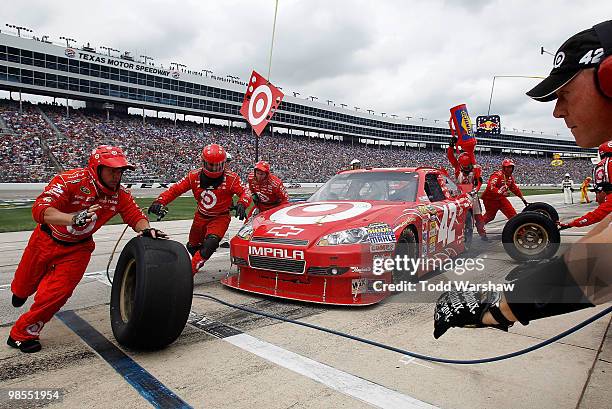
{"x":213,"y":187}
{"x":581,"y":82}
{"x":73,"y":206}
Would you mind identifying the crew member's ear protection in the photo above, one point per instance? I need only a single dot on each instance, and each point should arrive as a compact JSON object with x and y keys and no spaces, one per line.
{"x":603,"y":71}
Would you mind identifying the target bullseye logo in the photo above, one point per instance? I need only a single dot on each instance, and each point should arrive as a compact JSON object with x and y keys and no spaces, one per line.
{"x":311,"y":213}
{"x":261,"y":100}
{"x":209,"y":199}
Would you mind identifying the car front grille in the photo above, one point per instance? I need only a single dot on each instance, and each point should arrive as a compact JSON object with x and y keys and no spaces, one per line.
{"x":283,"y":265}
{"x":277,"y":240}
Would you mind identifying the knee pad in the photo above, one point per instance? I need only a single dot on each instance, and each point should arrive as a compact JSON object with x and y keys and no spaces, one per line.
{"x":210,"y":245}
{"x":192,"y":248}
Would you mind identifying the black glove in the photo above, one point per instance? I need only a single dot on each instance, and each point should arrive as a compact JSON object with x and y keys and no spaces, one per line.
{"x":158,"y":209}
{"x":525,"y":202}
{"x":466,"y":309}
{"x":453,"y":141}
{"x":240,"y":211}
{"x":256,"y":198}
{"x":153,"y":233}
{"x":80,"y":219}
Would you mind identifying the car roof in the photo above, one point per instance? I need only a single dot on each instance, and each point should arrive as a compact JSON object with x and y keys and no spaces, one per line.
{"x":407,"y":169}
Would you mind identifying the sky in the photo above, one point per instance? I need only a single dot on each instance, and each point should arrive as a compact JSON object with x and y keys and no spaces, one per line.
{"x":407,"y":58}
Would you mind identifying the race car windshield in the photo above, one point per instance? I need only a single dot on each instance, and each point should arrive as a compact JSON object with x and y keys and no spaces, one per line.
{"x":387,"y":186}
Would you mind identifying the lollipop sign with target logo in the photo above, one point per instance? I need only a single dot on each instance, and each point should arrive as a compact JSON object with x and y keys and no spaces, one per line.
{"x":260,"y":102}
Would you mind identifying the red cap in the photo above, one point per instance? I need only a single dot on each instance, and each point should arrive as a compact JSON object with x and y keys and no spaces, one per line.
{"x":263,"y":166}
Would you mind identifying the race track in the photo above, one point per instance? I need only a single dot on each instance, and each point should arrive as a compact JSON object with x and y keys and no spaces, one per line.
{"x":269,"y":364}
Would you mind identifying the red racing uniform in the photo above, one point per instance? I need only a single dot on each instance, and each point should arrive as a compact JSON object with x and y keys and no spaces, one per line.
{"x":56,"y":257}
{"x":271,"y":191}
{"x":494,"y":196}
{"x":212,"y":214}
{"x":594,"y":216}
{"x":468,"y":183}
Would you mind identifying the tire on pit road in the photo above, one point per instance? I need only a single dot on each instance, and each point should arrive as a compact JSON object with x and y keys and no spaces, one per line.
{"x":543,"y":208}
{"x":151,"y":294}
{"x":531,"y":236}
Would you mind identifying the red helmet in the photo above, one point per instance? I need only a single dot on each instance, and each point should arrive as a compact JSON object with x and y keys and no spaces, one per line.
{"x":213,"y":160}
{"x":605,"y":150}
{"x":263,"y":166}
{"x":110,"y":156}
{"x":464,"y":160}
{"x":507,"y":162}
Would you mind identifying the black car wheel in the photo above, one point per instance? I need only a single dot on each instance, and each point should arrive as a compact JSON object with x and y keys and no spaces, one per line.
{"x":531,"y":236}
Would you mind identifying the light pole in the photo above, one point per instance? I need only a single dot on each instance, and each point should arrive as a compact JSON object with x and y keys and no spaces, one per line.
{"x":383,"y":114}
{"x":146,"y":58}
{"x":108,"y":49}
{"x":19,"y":29}
{"x":329,"y":101}
{"x":542,"y":51}
{"x":357,"y":108}
{"x":371,"y":112}
{"x":408,"y":118}
{"x":68,"y":40}
{"x":507,"y":76}
{"x":206,"y":72}
{"x":295,"y":94}
{"x":313,"y":98}
{"x":343,"y":105}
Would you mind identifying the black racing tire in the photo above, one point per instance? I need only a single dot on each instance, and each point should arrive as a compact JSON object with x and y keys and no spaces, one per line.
{"x":151,"y":294}
{"x":543,"y":208}
{"x":468,"y":231}
{"x":407,"y":245}
{"x":531,"y":236}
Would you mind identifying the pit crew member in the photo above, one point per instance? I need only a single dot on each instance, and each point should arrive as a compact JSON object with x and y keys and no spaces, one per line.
{"x":73,"y":206}
{"x":213,"y":187}
{"x":267,"y":190}
{"x":469,"y":178}
{"x":581,"y":83}
{"x":495,"y":196}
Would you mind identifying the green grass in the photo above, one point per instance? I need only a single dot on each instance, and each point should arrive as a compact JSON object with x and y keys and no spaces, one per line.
{"x":20,"y":219}
{"x":182,"y":208}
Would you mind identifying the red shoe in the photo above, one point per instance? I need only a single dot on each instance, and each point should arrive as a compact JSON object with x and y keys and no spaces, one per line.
{"x":196,"y":262}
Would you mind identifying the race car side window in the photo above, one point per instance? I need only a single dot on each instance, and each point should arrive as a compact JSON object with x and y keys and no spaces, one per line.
{"x":452,"y":187}
{"x":433,"y":188}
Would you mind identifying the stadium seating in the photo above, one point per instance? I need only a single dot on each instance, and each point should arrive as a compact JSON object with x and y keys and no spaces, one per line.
{"x":163,"y":151}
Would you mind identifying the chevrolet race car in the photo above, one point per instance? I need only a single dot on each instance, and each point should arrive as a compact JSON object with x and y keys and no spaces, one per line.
{"x":324,"y":249}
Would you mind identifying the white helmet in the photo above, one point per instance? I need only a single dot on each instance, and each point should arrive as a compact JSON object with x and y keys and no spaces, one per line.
{"x":567,"y":175}
{"x":355,"y":164}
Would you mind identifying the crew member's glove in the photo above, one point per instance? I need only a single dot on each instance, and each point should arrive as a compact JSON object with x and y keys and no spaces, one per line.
{"x":240,"y":211}
{"x":466,"y":309}
{"x":453,"y":141}
{"x":81,"y":218}
{"x":256,"y":198}
{"x":563,"y":226}
{"x":524,"y":201}
{"x":153,"y":233}
{"x":158,"y":209}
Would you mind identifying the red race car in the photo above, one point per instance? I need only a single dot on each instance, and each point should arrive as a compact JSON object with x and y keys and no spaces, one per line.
{"x":331,"y":248}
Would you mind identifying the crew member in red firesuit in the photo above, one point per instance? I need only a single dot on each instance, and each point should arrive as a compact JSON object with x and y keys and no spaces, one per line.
{"x":495,"y":196}
{"x":603,"y":195}
{"x":267,"y":190}
{"x":213,"y":187}
{"x":72,"y":207}
{"x":469,"y":178}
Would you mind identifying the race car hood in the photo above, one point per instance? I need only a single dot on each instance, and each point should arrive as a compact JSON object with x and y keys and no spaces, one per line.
{"x":308,"y":221}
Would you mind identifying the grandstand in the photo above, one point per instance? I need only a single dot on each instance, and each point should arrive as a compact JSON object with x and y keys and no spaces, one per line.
{"x":309,"y":142}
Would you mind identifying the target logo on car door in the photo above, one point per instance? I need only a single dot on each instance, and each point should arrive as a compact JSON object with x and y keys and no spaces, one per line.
{"x":261,"y":100}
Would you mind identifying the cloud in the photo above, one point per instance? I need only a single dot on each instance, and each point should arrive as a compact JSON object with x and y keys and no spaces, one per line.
{"x":415,"y":58}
